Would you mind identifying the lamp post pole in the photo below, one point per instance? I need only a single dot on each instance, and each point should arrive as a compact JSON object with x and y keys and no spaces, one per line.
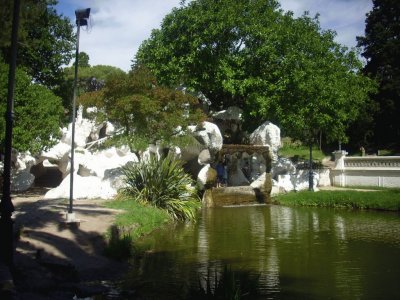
{"x":6,"y":205}
{"x":81,"y":19}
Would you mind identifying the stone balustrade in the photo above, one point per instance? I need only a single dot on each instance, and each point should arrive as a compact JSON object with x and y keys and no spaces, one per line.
{"x":382,"y":171}
{"x":372,"y":162}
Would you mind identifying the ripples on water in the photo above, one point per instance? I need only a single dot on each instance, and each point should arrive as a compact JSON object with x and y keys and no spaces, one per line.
{"x":294,"y":252}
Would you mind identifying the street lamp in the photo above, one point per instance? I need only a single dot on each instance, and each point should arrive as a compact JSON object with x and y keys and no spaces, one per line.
{"x":6,"y":205}
{"x":82,"y":16}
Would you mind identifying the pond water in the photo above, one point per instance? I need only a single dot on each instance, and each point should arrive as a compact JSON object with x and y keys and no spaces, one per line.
{"x":284,"y":252}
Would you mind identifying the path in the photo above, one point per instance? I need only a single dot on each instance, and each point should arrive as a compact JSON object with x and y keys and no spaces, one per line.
{"x":57,"y":261}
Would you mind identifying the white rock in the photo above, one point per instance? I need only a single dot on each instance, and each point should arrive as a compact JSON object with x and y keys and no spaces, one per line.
{"x":296,"y":182}
{"x":57,"y":152}
{"x":267,"y":134}
{"x":206,"y":175}
{"x":84,"y":188}
{"x":97,"y":163}
{"x":209,"y":135}
{"x":83,"y":129}
{"x":176,"y":152}
{"x":282,"y":166}
{"x":259,"y":182}
{"x":25,"y":161}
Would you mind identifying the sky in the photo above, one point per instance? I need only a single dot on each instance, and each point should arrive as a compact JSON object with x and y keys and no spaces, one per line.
{"x":118,"y":27}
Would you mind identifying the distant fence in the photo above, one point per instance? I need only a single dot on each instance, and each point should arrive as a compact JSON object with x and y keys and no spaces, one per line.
{"x":381,"y":171}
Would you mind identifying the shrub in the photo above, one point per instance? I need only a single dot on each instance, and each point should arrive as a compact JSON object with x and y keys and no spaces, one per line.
{"x":164,"y":184}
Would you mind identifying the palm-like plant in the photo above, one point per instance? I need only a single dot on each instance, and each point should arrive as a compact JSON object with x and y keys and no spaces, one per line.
{"x":162,"y":183}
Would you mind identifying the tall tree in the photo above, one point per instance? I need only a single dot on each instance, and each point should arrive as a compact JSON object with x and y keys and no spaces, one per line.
{"x":381,"y":48}
{"x":46,"y":39}
{"x":91,"y":78}
{"x":38,"y":113}
{"x":252,"y":54}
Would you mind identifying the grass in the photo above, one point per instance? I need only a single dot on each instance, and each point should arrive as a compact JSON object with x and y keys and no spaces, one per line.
{"x":134,"y":221}
{"x":387,"y":199}
{"x":138,"y":219}
{"x":296,"y":151}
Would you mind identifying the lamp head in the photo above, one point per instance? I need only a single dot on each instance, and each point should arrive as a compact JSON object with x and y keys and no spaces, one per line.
{"x":82,"y":15}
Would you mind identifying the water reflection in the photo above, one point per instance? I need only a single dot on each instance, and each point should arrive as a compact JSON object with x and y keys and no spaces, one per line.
{"x":294,"y":253}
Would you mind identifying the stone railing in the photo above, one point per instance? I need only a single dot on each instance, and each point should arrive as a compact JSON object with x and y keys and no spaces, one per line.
{"x":372,"y":162}
{"x":381,"y":171}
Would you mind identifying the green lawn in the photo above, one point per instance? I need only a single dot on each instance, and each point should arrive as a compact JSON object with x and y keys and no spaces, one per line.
{"x":386,"y":199}
{"x":134,"y":221}
{"x":138,"y":219}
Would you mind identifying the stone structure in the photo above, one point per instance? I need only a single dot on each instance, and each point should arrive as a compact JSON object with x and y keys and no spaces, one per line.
{"x":381,"y":171}
{"x":249,"y":178}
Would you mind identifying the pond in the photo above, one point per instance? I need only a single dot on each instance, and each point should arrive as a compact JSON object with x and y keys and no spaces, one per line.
{"x":275,"y":252}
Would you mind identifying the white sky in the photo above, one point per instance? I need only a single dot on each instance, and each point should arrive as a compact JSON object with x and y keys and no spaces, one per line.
{"x":120,"y":26}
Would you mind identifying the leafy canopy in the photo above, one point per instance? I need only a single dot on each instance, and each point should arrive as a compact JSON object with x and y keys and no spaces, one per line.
{"x":252,"y":54}
{"x":45,"y":39}
{"x":381,"y":48}
{"x":142,"y":108}
{"x":37,"y":113}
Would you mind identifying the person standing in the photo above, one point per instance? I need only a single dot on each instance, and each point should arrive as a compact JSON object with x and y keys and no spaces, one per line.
{"x":220,"y":174}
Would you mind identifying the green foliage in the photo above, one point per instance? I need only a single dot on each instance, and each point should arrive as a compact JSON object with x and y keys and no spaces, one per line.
{"x":90,"y":79}
{"x":381,"y":48}
{"x":142,"y":108}
{"x":37,"y":113}
{"x":46,"y":39}
{"x":136,"y":219}
{"x":164,"y":184}
{"x":387,"y":199}
{"x":296,"y":151}
{"x":251,"y":54}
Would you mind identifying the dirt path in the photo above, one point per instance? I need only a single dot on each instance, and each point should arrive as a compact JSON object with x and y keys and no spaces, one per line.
{"x":55,"y":260}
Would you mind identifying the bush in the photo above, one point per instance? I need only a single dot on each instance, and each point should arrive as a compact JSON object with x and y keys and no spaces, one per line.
{"x":164,"y":184}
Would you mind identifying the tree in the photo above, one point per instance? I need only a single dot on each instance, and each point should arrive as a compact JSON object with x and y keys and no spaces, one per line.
{"x":37,"y":113}
{"x":90,"y":78}
{"x":381,"y":48}
{"x":252,"y":54}
{"x":46,"y":39}
{"x":142,"y":108}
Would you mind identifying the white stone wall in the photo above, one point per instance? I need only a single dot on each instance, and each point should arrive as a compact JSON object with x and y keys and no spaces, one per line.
{"x":381,"y":171}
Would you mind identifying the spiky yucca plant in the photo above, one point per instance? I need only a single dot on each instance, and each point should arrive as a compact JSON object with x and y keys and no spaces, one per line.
{"x":162,"y":183}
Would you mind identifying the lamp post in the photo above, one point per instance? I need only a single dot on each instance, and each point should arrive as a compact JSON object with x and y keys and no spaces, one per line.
{"x":6,"y":205}
{"x":82,"y":16}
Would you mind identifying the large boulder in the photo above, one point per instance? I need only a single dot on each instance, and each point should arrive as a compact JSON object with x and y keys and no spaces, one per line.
{"x":208,"y":135}
{"x":267,"y":134}
{"x":22,"y":181}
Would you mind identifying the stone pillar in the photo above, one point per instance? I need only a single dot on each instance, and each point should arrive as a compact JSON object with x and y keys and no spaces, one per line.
{"x":340,"y":167}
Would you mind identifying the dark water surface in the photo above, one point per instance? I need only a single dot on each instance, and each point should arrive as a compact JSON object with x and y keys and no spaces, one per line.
{"x":291,"y":253}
